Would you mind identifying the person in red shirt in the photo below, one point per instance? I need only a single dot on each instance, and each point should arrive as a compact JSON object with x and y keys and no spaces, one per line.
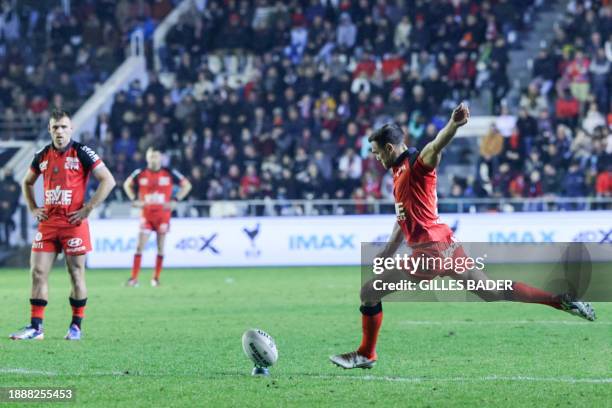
{"x":418,"y":224}
{"x":155,"y":188}
{"x":603,"y":183}
{"x":65,"y":166}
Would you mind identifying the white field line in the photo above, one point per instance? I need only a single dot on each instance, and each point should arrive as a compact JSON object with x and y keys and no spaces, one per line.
{"x":498,"y":378}
{"x":501,"y":322}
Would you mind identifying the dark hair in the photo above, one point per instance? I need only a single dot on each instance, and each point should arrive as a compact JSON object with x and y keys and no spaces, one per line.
{"x":57,"y":114}
{"x":389,"y":133}
{"x":156,"y":148}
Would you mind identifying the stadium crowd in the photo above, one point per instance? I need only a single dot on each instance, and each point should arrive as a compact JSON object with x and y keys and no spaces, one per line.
{"x":276,"y":99}
{"x":323,"y":74}
{"x":560,"y":140}
{"x":53,"y":54}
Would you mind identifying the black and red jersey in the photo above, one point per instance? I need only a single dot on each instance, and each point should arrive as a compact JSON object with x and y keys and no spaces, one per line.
{"x":155,"y":188}
{"x":416,"y":200}
{"x":65,"y":174}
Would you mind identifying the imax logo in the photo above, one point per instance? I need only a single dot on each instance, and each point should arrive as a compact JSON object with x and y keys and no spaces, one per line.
{"x":525,"y":236}
{"x":121,"y":245}
{"x":319,"y":242}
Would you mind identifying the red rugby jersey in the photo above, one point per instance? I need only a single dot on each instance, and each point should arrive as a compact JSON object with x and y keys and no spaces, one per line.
{"x":65,"y":174}
{"x":155,"y":188}
{"x":416,"y":200}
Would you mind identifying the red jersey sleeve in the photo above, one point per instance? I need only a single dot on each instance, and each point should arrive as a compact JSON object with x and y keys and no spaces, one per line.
{"x":88,"y":158}
{"x":35,"y":166}
{"x":134,"y":176}
{"x":177,"y":176}
{"x":421,"y":168}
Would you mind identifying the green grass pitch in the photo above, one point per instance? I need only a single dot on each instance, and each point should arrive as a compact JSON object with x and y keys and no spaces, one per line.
{"x":180,"y":344}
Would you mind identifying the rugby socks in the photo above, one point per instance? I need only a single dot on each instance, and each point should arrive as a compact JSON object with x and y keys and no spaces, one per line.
{"x":528,"y":294}
{"x":38,"y":312}
{"x":78,"y":311}
{"x":159,"y":261}
{"x":136,"y":266}
{"x":371,"y":320}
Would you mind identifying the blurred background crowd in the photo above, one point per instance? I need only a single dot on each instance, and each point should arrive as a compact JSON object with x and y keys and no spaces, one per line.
{"x":276,"y":99}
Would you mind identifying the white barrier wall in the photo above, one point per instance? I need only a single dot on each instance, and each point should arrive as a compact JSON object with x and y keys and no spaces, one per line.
{"x":270,"y":241}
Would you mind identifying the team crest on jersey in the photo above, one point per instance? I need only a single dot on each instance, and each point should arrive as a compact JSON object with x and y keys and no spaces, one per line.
{"x":164,"y":181}
{"x":55,"y":169}
{"x":43,"y":165}
{"x":72,"y":163}
{"x":143,"y":181}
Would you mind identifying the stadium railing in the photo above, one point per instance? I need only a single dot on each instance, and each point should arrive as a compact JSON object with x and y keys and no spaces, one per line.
{"x":269,"y":207}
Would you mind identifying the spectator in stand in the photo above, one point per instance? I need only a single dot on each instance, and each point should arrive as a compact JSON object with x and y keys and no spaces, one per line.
{"x":9,"y":199}
{"x":567,"y":109}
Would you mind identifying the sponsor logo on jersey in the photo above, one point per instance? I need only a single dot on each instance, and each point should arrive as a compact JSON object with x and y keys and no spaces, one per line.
{"x":37,"y":244}
{"x":43,"y":165}
{"x":154,"y":198}
{"x":400,"y":211}
{"x":58,"y":197}
{"x":72,"y":163}
{"x":143,"y":181}
{"x":164,"y":181}
{"x":92,"y":155}
{"x":74,"y":242}
{"x":76,"y":249}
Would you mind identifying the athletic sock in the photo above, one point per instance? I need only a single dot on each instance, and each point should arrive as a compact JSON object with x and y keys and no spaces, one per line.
{"x":37,"y":312}
{"x":78,"y":311}
{"x":159,"y":261}
{"x":136,"y":266}
{"x":371,"y":320}
{"x":528,"y":294}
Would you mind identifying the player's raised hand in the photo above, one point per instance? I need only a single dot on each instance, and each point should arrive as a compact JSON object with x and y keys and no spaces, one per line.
{"x":75,"y":217}
{"x":461,"y":114}
{"x":40,"y":214}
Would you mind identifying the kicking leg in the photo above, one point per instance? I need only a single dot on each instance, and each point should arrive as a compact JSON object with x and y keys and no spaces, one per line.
{"x":371,"y":321}
{"x":524,"y":293}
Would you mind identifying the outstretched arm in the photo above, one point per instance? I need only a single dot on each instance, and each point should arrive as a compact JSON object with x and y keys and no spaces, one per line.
{"x":431,"y":153}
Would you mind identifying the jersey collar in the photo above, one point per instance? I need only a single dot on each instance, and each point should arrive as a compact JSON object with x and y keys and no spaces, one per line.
{"x":400,"y":159}
{"x":68,"y":146}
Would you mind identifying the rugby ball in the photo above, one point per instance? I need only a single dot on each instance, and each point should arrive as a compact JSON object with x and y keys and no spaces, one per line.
{"x":260,"y":347}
